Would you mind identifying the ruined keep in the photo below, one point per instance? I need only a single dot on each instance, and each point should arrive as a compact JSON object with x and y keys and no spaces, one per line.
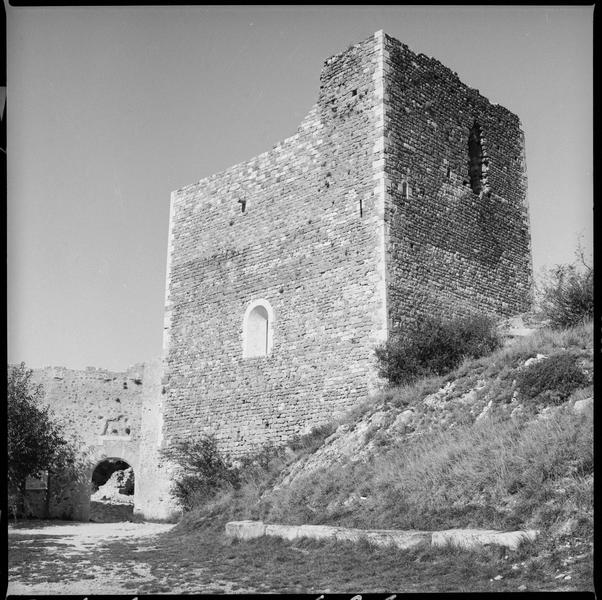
{"x":402,"y":193}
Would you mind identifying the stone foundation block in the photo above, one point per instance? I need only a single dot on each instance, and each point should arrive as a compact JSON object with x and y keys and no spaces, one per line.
{"x":468,"y":538}
{"x":464,"y":538}
{"x":245,"y":530}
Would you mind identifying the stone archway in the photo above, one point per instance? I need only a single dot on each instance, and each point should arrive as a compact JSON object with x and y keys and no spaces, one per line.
{"x":112,"y":491}
{"x":109,"y":452}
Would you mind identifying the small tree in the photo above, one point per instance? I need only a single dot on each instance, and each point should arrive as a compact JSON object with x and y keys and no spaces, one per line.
{"x":434,"y":346}
{"x":566,"y":297}
{"x":203,"y":470}
{"x":35,"y":441}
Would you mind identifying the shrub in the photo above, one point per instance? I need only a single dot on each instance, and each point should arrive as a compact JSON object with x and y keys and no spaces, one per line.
{"x":567,"y":297}
{"x":203,"y":470}
{"x":434,"y":347}
{"x":555,"y":377}
{"x":310,"y":442}
{"x":260,"y":469}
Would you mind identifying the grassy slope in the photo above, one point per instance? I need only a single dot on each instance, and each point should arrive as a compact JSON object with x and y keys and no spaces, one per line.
{"x":467,"y":449}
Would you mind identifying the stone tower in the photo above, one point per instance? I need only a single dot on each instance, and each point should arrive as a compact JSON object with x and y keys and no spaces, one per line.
{"x":402,"y":193}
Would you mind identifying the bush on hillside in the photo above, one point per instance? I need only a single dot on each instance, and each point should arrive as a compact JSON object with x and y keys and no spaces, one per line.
{"x":554,"y":378}
{"x":567,"y":295}
{"x":203,"y":470}
{"x":434,"y":346}
{"x":311,"y":441}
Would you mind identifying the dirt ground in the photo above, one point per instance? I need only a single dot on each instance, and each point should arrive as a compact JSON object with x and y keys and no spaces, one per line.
{"x":63,"y":557}
{"x":129,"y":558}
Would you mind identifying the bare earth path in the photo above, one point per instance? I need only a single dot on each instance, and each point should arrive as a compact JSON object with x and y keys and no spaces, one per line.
{"x":63,"y":557}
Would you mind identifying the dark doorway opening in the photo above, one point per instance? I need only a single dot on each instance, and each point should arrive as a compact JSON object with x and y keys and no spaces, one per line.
{"x":112,"y":497}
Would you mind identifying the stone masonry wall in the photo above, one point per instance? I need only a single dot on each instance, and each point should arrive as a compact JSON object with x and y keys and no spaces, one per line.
{"x":403,"y":193}
{"x":101,"y":409}
{"x":94,"y":403}
{"x":451,"y":250}
{"x":300,"y":226}
{"x":152,"y":495}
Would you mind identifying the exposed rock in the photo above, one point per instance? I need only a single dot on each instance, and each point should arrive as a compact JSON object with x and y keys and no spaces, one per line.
{"x":438,"y":399}
{"x":403,"y":420}
{"x":468,"y":398}
{"x":583,"y":405}
{"x":517,"y":412}
{"x":535,"y":359}
{"x":485,"y":411}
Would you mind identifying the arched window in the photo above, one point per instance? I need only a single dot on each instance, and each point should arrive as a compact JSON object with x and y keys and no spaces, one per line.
{"x":475,"y":157}
{"x":257,"y":331}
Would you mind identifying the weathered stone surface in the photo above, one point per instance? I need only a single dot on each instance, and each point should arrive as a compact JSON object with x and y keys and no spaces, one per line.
{"x":153,"y":499}
{"x":403,"y":419}
{"x":288,"y":532}
{"x":245,"y":530}
{"x":439,"y":398}
{"x":94,"y":404}
{"x":486,"y":411}
{"x":468,"y":538}
{"x":317,"y":532}
{"x":399,"y":539}
{"x":378,"y":537}
{"x":349,"y":442}
{"x":100,"y":409}
{"x":534,"y":359}
{"x":583,"y":405}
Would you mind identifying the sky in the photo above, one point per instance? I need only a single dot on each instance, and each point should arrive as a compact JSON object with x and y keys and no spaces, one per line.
{"x":112,"y":108}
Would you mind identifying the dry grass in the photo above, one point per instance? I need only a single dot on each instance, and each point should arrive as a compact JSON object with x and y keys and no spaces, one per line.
{"x":498,"y":472}
{"x":494,"y":474}
{"x":532,"y":470}
{"x":204,"y":561}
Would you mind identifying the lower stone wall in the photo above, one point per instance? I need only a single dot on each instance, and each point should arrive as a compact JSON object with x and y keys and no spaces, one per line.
{"x":100,"y":413}
{"x":152,"y":497}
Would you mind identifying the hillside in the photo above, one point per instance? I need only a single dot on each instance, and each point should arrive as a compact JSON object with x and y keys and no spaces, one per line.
{"x":504,"y":442}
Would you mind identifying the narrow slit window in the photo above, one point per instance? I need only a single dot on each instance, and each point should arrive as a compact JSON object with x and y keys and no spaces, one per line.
{"x":475,"y":158}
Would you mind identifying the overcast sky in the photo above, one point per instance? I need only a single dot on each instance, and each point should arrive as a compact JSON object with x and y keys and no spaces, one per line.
{"x":112,"y":108}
